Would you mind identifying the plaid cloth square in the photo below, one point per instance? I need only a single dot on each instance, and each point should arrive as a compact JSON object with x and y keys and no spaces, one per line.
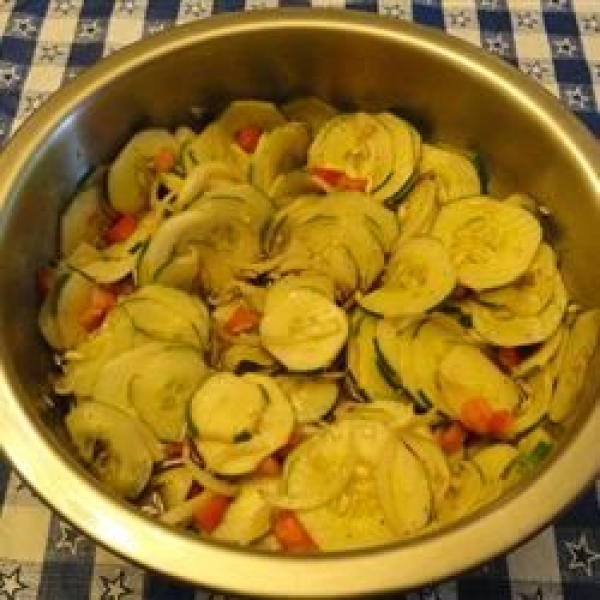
{"x":46,"y":42}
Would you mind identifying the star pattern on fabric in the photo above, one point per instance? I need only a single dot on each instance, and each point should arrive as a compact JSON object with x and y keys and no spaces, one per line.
{"x":66,"y":7}
{"x":196,"y":8}
{"x":114,"y":589}
{"x":582,"y":556}
{"x":497,"y":44}
{"x":535,"y":68}
{"x":527,"y":20}
{"x":591,"y":23}
{"x":23,"y":27}
{"x":33,"y":101}
{"x":69,"y":539}
{"x":577,"y":98}
{"x":50,"y":53}
{"x":89,"y":30}
{"x":9,"y":75}
{"x":128,"y":6}
{"x":11,"y":584}
{"x":394,"y":10}
{"x":460,"y":18}
{"x":565,"y":47}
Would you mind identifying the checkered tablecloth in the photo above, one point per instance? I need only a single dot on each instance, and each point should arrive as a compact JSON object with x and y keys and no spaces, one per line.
{"x":46,"y":42}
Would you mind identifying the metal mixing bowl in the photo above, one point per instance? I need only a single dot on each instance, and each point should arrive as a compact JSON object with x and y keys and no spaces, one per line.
{"x":454,"y":91}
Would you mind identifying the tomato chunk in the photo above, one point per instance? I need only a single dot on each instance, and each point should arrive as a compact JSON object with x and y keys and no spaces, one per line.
{"x":211,"y":513}
{"x":122,"y":229}
{"x":101,"y":302}
{"x":164,"y":161}
{"x":451,"y":438}
{"x":247,"y":138}
{"x":338,"y":179}
{"x":477,"y":416}
{"x":290,"y":533}
{"x":242,"y":319}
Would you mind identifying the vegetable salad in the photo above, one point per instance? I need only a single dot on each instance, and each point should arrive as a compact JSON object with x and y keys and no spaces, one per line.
{"x":307,"y":330}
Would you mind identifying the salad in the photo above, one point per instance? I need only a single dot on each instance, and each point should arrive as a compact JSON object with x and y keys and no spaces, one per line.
{"x":308,"y":330}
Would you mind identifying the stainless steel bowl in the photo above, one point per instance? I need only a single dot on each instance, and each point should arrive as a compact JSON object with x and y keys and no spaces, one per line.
{"x":456,"y":92}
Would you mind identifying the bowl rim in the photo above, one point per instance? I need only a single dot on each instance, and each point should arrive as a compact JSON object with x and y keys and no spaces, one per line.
{"x":405,"y":566}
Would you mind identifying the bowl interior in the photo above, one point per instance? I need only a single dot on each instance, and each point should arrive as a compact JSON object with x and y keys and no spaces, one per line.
{"x":449,"y":90}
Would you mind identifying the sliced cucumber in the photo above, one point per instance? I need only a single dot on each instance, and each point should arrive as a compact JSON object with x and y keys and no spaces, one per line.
{"x":530,"y":293}
{"x":406,"y":148}
{"x":543,"y":355}
{"x":490,"y":243}
{"x":419,"y":277}
{"x":239,"y":421}
{"x":278,"y":152}
{"x":534,"y":408}
{"x":466,"y":373}
{"x":248,"y":517}
{"x":317,"y":282}
{"x":304,"y":330}
{"x":82,"y":366}
{"x":74,"y":298}
{"x":579,"y":348}
{"x":100,"y":266}
{"x":131,"y":173}
{"x":502,"y":328}
{"x":434,"y":461}
{"x":187,"y":306}
{"x":312,"y":399}
{"x":161,"y":389}
{"x":174,"y":485}
{"x":112,"y":445}
{"x":359,"y":145}
{"x":363,"y":360}
{"x":493,"y":461}
{"x":113,"y":381}
{"x":243,"y":113}
{"x":159,"y":321}
{"x":455,"y":172}
{"x":417,"y":213}
{"x":288,"y":186}
{"x":84,"y":220}
{"x":309,"y":110}
{"x":404,"y":489}
{"x":241,"y":358}
{"x":466,"y":492}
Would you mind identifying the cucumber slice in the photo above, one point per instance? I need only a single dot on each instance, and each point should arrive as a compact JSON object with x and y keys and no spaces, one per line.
{"x":490,"y":243}
{"x":113,"y":381}
{"x":579,"y":348}
{"x":493,"y":461}
{"x":159,"y":321}
{"x":288,"y":186}
{"x":406,"y":148}
{"x":359,"y":145}
{"x":187,"y":306}
{"x":311,"y":111}
{"x":244,"y":113}
{"x":541,"y":357}
{"x":434,"y":461}
{"x":304,"y":330}
{"x":363,"y":360}
{"x":131,"y":173}
{"x":419,"y":211}
{"x":466,"y":373}
{"x":241,"y":358}
{"x":82,"y":366}
{"x":404,"y":489}
{"x":74,"y":298}
{"x":239,"y":421}
{"x":455,"y":172}
{"x":174,"y":485}
{"x":84,"y":220}
{"x":278,"y":152}
{"x":248,"y":517}
{"x":465,"y":494}
{"x":430,"y":344}
{"x":312,"y":399}
{"x":111,"y":444}
{"x":162,"y":387}
{"x":501,"y":328}
{"x":215,"y":144}
{"x":316,"y":282}
{"x":530,"y":293}
{"x":534,"y":407}
{"x":419,"y":277}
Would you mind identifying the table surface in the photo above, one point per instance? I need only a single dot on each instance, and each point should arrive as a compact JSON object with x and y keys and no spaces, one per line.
{"x":47,"y":42}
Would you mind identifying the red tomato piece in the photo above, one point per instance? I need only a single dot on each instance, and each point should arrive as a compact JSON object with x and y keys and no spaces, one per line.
{"x":247,"y":138}
{"x":121,"y":229}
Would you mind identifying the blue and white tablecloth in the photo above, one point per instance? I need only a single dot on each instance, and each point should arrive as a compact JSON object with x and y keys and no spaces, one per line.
{"x":43,"y":43}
